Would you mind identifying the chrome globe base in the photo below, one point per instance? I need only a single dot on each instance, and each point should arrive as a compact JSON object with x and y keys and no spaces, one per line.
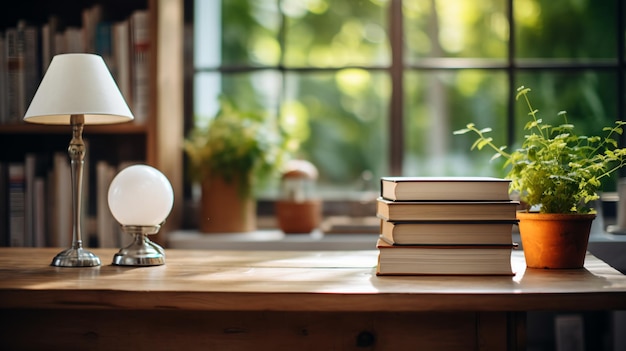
{"x":142,"y":251}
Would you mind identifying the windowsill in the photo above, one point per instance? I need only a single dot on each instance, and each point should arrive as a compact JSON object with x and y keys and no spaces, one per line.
{"x":270,"y":239}
{"x":275,"y":239}
{"x":334,"y":233}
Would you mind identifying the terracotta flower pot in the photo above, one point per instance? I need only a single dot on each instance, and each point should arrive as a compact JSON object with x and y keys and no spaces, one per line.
{"x":298,"y":217}
{"x":223,"y":210}
{"x":554,"y":240}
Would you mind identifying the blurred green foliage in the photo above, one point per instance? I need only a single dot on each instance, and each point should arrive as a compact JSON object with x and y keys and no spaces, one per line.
{"x":323,"y":66}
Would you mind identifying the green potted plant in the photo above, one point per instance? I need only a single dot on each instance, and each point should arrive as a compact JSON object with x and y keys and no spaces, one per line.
{"x":557,"y":174}
{"x":230,"y":157}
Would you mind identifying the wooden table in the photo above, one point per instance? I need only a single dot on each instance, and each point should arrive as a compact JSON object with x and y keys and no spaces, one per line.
{"x":280,"y":300}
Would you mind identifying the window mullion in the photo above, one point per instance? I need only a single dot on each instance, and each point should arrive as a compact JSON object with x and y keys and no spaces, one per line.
{"x":511,"y":71}
{"x":396,"y":136}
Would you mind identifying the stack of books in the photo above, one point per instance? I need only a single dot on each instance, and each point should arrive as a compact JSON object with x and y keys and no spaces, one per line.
{"x":445,"y":226}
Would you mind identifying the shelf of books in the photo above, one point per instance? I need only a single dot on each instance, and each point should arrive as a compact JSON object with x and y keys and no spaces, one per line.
{"x":28,"y":48}
{"x":35,"y":194}
{"x":445,"y":226}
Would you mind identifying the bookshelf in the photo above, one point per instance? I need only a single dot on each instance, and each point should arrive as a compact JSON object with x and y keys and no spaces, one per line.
{"x":157,"y":140}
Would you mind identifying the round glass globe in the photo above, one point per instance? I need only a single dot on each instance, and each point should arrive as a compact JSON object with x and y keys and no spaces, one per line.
{"x":140,"y":195}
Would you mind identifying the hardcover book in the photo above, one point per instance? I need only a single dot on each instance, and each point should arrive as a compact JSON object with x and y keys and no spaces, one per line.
{"x":445,"y":210}
{"x":447,"y":232}
{"x":444,"y":259}
{"x":445,"y":188}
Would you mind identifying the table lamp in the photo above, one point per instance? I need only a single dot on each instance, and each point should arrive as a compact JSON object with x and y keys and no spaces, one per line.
{"x":140,"y":198}
{"x":77,"y":89}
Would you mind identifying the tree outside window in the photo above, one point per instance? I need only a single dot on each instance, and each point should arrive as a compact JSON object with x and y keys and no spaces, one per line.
{"x":336,"y":71}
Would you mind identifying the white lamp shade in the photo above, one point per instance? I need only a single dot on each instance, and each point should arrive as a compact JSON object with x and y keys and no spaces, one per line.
{"x":140,"y":195}
{"x":78,"y":84}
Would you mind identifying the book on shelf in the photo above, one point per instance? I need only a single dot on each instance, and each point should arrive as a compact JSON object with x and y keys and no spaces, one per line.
{"x":445,"y":188}
{"x":444,"y":259}
{"x":15,"y":93}
{"x":74,"y":40}
{"x":447,"y":232}
{"x":104,"y":45}
{"x":4,"y":110}
{"x":32,"y":55}
{"x":17,"y":194}
{"x":22,"y":69}
{"x":39,"y":213}
{"x":30,"y":165}
{"x":91,"y":16}
{"x":120,"y":37}
{"x":140,"y":61}
{"x":107,"y":227}
{"x":60,"y":46}
{"x":61,"y":202}
{"x":35,"y":168}
{"x":445,"y":210}
{"x":4,"y":204}
{"x":48,"y":41}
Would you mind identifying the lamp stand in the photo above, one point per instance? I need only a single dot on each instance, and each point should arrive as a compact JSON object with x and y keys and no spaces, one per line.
{"x":76,"y":256}
{"x":142,"y":251}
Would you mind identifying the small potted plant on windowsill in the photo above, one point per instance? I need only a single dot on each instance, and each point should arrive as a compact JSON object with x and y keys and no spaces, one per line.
{"x":557,"y":174}
{"x":229,"y":157}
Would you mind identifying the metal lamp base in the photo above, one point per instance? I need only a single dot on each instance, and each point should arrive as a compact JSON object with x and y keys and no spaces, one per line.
{"x":142,"y":251}
{"x":75,"y":257}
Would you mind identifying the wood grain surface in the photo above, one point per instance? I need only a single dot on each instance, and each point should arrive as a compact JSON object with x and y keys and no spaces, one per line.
{"x":295,"y":281}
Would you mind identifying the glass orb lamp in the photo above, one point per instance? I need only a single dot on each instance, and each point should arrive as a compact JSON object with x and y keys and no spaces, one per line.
{"x":140,"y":198}
{"x":77,"y":90}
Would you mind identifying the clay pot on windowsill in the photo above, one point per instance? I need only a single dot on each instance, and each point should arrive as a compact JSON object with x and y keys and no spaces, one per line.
{"x":298,"y":217}
{"x":552,"y":240}
{"x":298,"y":210}
{"x":224,"y":210}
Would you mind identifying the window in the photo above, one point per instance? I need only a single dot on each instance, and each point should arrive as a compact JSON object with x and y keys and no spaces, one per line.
{"x":376,"y":87}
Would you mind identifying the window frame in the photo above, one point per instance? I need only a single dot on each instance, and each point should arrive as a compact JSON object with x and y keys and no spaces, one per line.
{"x":511,"y":65}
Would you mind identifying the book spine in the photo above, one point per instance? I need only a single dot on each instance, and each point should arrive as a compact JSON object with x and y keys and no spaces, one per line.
{"x":30,"y":162}
{"x":103,"y":45}
{"x":32,"y":58}
{"x":121,"y":54}
{"x":39,"y":212}
{"x":51,"y":210}
{"x":90,"y":17}
{"x":16,"y":204}
{"x":140,"y":44}
{"x":48,"y":35}
{"x":4,"y":204}
{"x":15,"y":75}
{"x":3,"y":81}
{"x":107,"y":236}
{"x":62,"y":201}
{"x":74,"y":40}
{"x":60,"y":46}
